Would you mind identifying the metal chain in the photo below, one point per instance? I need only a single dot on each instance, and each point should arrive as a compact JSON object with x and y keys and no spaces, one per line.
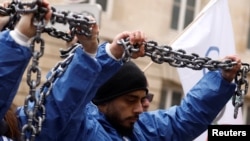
{"x":74,"y":20}
{"x":78,"y":23}
{"x":10,"y":11}
{"x":34,"y":121}
{"x":179,"y":58}
{"x":241,"y":89}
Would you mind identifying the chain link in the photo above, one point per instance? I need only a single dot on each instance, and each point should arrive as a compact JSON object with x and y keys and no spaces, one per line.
{"x":34,"y":121}
{"x":241,"y":89}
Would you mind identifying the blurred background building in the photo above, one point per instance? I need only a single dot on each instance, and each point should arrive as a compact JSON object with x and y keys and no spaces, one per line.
{"x":162,"y":21}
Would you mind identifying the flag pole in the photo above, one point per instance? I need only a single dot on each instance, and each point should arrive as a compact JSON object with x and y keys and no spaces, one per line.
{"x":149,"y":64}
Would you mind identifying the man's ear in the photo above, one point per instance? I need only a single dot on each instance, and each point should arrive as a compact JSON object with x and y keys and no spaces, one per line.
{"x":102,"y":107}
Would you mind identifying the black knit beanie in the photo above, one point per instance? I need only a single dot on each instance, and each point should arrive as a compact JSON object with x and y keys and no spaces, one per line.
{"x":129,"y":78}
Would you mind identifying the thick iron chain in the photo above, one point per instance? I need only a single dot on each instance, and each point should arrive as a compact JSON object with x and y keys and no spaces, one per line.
{"x":179,"y":58}
{"x":78,"y":23}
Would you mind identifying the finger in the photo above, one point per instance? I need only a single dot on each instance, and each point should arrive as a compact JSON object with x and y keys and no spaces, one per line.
{"x":6,"y":4}
{"x":124,"y":35}
{"x":45,"y":3}
{"x":95,"y":29}
{"x":142,"y":50}
{"x":139,"y":37}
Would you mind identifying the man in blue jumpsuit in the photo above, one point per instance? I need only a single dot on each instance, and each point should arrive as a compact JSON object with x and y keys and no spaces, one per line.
{"x":119,"y":112}
{"x":70,"y":114}
{"x":91,"y":66}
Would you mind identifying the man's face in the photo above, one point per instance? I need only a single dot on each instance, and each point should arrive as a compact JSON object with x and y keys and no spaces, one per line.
{"x":124,"y":111}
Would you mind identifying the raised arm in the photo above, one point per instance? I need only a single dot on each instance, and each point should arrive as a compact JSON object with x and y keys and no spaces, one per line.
{"x":198,"y":108}
{"x":91,"y":65}
{"x":14,"y":57}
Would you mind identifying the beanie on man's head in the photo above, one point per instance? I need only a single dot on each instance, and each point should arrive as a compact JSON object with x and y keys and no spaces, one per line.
{"x":128,"y":79}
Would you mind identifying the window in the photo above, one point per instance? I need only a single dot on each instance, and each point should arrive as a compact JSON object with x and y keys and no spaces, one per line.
{"x":246,"y":112}
{"x":176,"y":98}
{"x":170,"y":95}
{"x":175,"y":14}
{"x":248,"y":43}
{"x":183,"y":13}
{"x":163,"y":99}
{"x":103,"y":3}
{"x":248,"y":116}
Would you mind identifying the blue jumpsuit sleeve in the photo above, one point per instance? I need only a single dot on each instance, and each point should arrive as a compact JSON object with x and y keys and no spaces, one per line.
{"x":109,"y":67}
{"x":71,"y":92}
{"x":192,"y":117}
{"x":13,"y":62}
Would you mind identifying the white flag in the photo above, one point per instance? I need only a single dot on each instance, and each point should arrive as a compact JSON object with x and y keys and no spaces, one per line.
{"x":209,"y":35}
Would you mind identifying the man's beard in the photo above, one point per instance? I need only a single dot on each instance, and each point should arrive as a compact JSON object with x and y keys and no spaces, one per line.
{"x":121,"y":129}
